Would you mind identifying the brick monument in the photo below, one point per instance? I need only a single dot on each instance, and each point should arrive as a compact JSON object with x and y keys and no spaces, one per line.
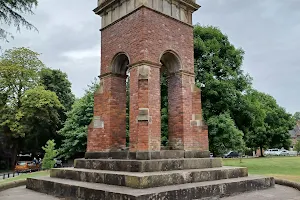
{"x":145,"y":38}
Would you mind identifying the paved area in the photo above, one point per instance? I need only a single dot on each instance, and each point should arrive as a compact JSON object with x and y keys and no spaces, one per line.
{"x":277,"y":193}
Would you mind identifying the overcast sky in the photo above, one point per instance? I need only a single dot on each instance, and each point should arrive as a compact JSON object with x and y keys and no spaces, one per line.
{"x":268,"y":31}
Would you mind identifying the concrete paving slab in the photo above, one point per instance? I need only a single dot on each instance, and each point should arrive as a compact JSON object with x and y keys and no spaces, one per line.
{"x":277,"y":193}
{"x":24,"y":194}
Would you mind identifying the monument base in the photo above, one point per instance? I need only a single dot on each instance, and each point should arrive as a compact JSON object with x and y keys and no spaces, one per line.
{"x":156,"y":179}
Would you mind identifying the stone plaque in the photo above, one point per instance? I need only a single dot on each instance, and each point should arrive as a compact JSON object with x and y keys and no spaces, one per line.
{"x":98,"y":123}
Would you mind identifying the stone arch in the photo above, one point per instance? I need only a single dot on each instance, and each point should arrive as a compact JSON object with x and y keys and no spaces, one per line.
{"x":171,"y":61}
{"x":120,"y":63}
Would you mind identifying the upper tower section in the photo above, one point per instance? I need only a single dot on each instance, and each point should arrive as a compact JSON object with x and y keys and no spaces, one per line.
{"x":113,"y":10}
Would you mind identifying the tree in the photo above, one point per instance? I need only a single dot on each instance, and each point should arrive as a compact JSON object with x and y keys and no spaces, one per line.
{"x":10,"y":13}
{"x":271,"y":124}
{"x":39,"y":117}
{"x":218,"y":71}
{"x":75,"y":128}
{"x":297,"y":116}
{"x":50,"y":154}
{"x":224,"y":135}
{"x":19,"y":69}
{"x":297,"y":147}
{"x":57,"y":81}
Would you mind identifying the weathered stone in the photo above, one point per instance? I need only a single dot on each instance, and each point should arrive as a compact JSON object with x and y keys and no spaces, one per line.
{"x":149,"y":180}
{"x":148,"y":165}
{"x":92,"y":191}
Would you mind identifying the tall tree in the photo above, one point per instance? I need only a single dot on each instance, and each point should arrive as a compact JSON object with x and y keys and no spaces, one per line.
{"x":297,"y":116}
{"x":19,"y":69}
{"x":272,"y":123}
{"x":11,"y":13}
{"x":39,"y":117}
{"x":57,"y":81}
{"x":218,"y":71}
{"x":224,"y":135}
{"x":76,"y":125}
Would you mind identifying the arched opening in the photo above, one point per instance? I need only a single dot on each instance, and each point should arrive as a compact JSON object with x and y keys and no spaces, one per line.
{"x":120,"y":64}
{"x":120,"y":83}
{"x":170,"y":65}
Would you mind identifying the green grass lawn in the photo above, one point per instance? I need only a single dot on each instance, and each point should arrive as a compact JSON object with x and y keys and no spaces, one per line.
{"x":280,"y":167}
{"x":25,"y":176}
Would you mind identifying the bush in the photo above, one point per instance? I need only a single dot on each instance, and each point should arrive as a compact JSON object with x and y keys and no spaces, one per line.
{"x":50,"y":154}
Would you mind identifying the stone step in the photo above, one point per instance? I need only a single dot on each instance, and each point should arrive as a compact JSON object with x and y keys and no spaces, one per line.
{"x":148,"y":165}
{"x":149,"y":179}
{"x":71,"y":189}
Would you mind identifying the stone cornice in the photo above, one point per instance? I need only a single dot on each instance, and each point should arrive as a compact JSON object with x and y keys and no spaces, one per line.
{"x":142,"y":6}
{"x":106,"y":3}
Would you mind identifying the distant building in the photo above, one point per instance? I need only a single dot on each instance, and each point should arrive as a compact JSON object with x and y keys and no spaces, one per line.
{"x":295,"y":134}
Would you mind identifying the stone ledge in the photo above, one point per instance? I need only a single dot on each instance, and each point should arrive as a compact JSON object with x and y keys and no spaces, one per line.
{"x":287,"y":183}
{"x":150,"y":155}
{"x":148,"y":165}
{"x":149,"y":179}
{"x":82,"y":190}
{"x":12,"y":184}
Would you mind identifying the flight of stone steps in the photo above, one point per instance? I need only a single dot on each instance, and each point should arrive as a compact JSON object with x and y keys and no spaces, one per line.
{"x":172,"y":175}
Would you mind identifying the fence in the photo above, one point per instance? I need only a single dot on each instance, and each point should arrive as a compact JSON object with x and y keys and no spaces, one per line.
{"x":9,"y":175}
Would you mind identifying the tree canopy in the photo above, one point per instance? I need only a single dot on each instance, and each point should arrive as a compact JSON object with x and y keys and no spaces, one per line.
{"x":75,"y":128}
{"x":30,"y":107}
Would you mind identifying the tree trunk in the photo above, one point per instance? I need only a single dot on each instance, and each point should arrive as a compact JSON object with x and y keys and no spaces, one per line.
{"x":14,"y":153}
{"x":261,"y":151}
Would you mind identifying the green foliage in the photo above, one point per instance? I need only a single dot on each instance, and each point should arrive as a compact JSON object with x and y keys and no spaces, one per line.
{"x":227,"y":89}
{"x":39,"y":117}
{"x":224,"y":135}
{"x":164,"y":110}
{"x":10,"y":13}
{"x":218,"y":71}
{"x":76,"y":125}
{"x":19,"y":68}
{"x":218,"y":68}
{"x":57,"y":81}
{"x":297,"y":147}
{"x":297,"y":116}
{"x":271,"y":127}
{"x":50,"y":154}
{"x":30,"y":114}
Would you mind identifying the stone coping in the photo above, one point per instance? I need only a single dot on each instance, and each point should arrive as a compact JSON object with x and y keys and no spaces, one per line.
{"x":149,"y":179}
{"x":148,"y":165}
{"x":287,"y":183}
{"x":148,"y":155}
{"x":12,"y":184}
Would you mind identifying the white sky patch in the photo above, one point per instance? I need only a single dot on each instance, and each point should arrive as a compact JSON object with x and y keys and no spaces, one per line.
{"x":83,"y":54}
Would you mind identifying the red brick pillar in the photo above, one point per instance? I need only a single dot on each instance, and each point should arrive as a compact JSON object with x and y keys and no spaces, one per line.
{"x":186,"y":131}
{"x":108,"y":128}
{"x":199,"y":129}
{"x":145,"y":124}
